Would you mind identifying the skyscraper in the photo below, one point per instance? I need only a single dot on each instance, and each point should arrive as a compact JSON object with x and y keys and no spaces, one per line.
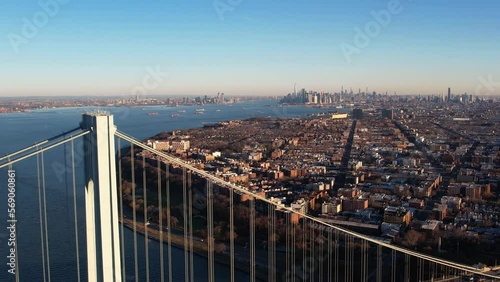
{"x":449,"y":94}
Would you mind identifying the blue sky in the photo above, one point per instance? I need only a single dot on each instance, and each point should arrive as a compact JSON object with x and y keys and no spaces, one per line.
{"x":103,"y":47}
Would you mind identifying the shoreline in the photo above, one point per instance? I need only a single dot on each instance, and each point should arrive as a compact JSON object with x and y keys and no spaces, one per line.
{"x":9,"y":109}
{"x":200,"y":248}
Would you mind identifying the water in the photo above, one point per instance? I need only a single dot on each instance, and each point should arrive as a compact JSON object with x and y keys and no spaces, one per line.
{"x":19,"y":130}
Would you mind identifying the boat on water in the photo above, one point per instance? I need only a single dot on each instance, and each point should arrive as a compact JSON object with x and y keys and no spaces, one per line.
{"x":174,"y":115}
{"x":200,"y":110}
{"x":153,"y":114}
{"x":181,"y":111}
{"x":217,"y":110}
{"x":198,"y":113}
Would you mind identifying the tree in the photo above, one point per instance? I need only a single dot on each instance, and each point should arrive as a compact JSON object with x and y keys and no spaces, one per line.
{"x":174,"y":221}
{"x":412,"y":238}
{"x":242,"y":213}
{"x":233,"y":234}
{"x":220,"y":248}
{"x":218,"y":232}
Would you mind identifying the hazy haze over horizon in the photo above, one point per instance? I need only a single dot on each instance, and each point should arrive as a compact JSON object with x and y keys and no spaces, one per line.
{"x":250,"y":48}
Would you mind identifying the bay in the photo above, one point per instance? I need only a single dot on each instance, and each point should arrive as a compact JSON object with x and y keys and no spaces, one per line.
{"x":19,"y":130}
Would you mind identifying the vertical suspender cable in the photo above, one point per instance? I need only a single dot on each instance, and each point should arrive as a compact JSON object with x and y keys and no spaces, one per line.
{"x":393,"y":265}
{"x":407,"y":268}
{"x":190,"y":220}
{"x":169,"y":225}
{"x":337,"y":255}
{"x":269,"y":245}
{"x":346,"y":258}
{"x":418,"y":270}
{"x":252,"y":239}
{"x":160,"y":219}
{"x":293,"y":251}
{"x":134,"y":207}
{"x":321,"y":255}
{"x":433,"y":270}
{"x":312,"y":251}
{"x":145,"y":210}
{"x":329,"y":261}
{"x":211,"y":240}
{"x":362,"y":260}
{"x":273,"y":242}
{"x":424,"y":270}
{"x":379,"y":263}
{"x":287,"y":247}
{"x":120,"y":202}
{"x":231,"y":233}
{"x":351,"y":256}
{"x":353,"y":248}
{"x":75,"y":212}
{"x":42,"y":240}
{"x":430,"y":268}
{"x":66,"y":181}
{"x":367,"y":264}
{"x":185,"y":220}
{"x":47,"y":252}
{"x":304,"y":249}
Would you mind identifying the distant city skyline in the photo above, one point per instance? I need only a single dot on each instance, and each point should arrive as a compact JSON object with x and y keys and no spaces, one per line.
{"x":70,"y":48}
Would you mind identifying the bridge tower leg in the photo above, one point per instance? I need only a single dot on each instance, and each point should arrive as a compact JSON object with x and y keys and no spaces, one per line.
{"x":101,"y":202}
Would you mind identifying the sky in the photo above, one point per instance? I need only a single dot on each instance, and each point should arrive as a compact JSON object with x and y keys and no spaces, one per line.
{"x":247,"y":47}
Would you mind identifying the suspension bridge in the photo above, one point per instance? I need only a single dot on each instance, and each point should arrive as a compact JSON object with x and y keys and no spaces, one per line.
{"x":149,"y":216}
